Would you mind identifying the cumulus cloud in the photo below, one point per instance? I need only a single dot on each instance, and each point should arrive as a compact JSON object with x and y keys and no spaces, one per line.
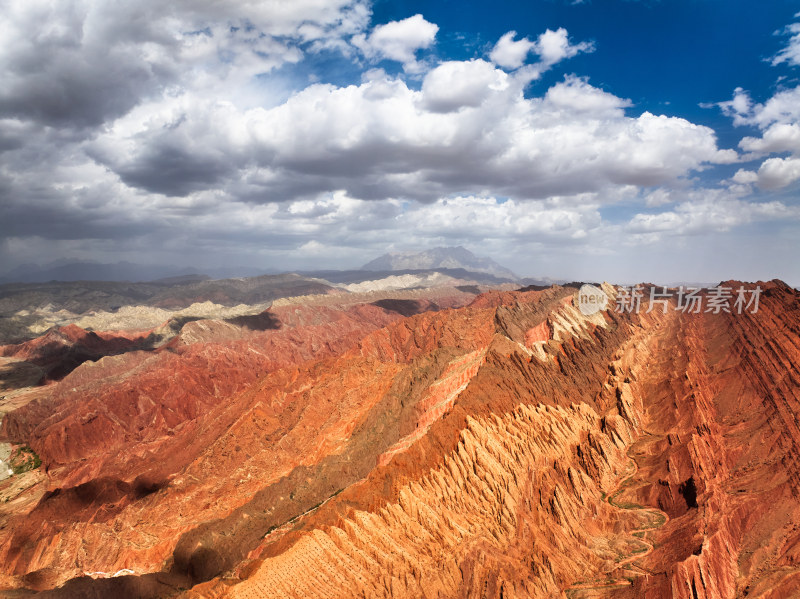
{"x":554,"y":46}
{"x":511,"y":54}
{"x":775,"y":173}
{"x":60,"y":64}
{"x":739,"y":108}
{"x":551,"y":46}
{"x":398,"y":40}
{"x":80,"y":63}
{"x":468,"y":129}
{"x":191,"y":144}
{"x":575,"y":95}
{"x":783,"y":107}
{"x":744,"y":176}
{"x":456,"y":84}
{"x":779,"y":120}
{"x":778,"y":137}
{"x":465,"y":217}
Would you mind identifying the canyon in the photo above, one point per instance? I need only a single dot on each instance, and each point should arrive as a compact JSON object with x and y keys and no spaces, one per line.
{"x":449,"y":441}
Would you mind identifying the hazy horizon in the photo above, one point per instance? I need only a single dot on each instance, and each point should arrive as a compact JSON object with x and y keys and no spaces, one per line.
{"x":153,"y":272}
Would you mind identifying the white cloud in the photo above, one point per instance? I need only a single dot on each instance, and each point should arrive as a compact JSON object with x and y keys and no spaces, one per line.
{"x":783,"y":107}
{"x":456,"y":84}
{"x":81,"y":62}
{"x":791,"y":53}
{"x":511,"y":54}
{"x":779,"y":121}
{"x":551,"y":46}
{"x":739,"y":108}
{"x":745,"y":177}
{"x":715,"y":212}
{"x":658,"y":197}
{"x":778,"y":137}
{"x":398,"y":40}
{"x":463,"y":217}
{"x":776,"y":173}
{"x":382,"y":139}
{"x":554,"y":46}
{"x":577,"y":96}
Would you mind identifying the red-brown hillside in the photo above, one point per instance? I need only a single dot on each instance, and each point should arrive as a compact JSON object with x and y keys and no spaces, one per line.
{"x":62,"y":349}
{"x":510,"y":448}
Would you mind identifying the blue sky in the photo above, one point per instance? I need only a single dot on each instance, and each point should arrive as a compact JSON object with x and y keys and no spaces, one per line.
{"x":621,"y":140}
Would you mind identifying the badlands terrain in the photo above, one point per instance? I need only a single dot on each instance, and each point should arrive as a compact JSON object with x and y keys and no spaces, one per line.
{"x":438,"y":435}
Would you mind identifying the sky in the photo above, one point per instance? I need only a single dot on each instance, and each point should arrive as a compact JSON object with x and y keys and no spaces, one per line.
{"x":619,"y":140}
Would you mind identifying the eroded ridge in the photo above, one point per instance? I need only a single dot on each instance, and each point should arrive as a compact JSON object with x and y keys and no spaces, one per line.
{"x":513,"y":447}
{"x":508,"y":475}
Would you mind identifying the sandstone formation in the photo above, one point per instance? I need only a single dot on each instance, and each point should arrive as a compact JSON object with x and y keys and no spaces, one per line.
{"x":62,"y":349}
{"x":420,"y":447}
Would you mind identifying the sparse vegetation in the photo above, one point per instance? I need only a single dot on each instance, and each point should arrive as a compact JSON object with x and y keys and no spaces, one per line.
{"x":24,"y":459}
{"x":626,"y":505}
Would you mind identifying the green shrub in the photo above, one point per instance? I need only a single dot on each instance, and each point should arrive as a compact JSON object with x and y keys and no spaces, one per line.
{"x":24,"y":459}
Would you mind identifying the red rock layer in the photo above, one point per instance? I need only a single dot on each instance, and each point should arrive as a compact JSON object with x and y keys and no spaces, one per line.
{"x":720,"y":453}
{"x":705,"y":405}
{"x":127,"y":402}
{"x":510,"y":475}
{"x":63,"y":349}
{"x":512,"y":448}
{"x":115,"y":432}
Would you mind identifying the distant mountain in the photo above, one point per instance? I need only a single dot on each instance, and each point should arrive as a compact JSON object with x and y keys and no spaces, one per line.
{"x":43,"y":302}
{"x":441,"y":257}
{"x":347,"y":277}
{"x":65,"y":270}
{"x":91,"y":271}
{"x":543,"y":281}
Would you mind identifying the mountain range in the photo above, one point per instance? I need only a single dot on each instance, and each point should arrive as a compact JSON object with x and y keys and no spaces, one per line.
{"x":71,"y":270}
{"x":440,"y":257}
{"x":452,"y":258}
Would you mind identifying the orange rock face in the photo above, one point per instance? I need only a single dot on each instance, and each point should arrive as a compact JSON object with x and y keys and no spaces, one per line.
{"x":510,"y":448}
